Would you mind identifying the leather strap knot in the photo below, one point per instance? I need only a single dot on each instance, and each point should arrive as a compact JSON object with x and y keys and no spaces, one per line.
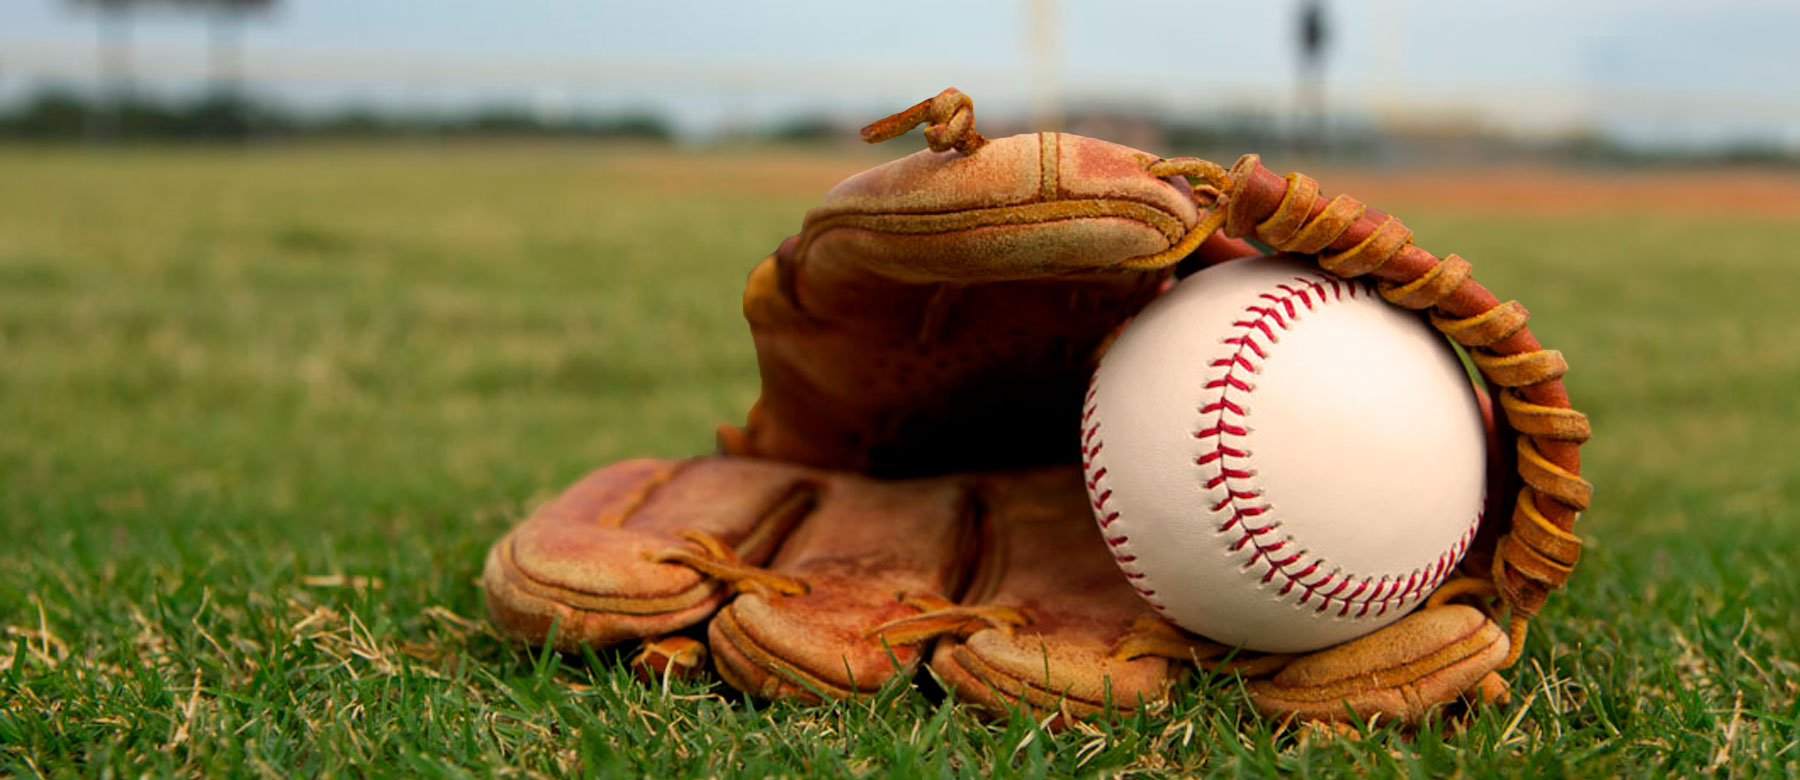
{"x":951,"y":118}
{"x":939,"y":616}
{"x":717,"y":560}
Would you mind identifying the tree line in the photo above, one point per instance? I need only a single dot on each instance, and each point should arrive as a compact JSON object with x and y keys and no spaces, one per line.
{"x":55,"y":115}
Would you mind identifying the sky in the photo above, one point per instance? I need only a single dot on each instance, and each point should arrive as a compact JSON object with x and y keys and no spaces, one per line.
{"x":1664,"y":71}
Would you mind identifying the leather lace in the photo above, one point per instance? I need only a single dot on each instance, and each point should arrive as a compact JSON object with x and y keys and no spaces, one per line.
{"x":949,"y":120}
{"x":1151,"y":636}
{"x":717,"y":560}
{"x":939,"y":616}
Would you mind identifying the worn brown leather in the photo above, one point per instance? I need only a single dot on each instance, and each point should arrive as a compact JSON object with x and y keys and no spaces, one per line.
{"x":940,"y":315}
{"x":872,"y":552}
{"x":939,"y":312}
{"x":1046,"y":560}
{"x":583,"y":561}
{"x":1402,"y":672}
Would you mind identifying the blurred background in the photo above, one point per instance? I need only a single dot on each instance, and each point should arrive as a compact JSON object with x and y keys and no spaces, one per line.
{"x":304,"y":302}
{"x":1380,"y":80}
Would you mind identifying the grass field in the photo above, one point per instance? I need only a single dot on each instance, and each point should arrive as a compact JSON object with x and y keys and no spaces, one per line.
{"x":261,"y":412}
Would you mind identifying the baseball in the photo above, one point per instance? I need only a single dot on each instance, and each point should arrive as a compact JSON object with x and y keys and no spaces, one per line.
{"x":1281,"y":460}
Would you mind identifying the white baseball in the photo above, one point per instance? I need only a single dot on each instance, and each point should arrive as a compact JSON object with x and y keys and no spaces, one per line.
{"x":1281,"y":460}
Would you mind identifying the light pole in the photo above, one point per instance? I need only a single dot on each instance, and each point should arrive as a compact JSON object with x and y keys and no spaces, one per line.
{"x":1044,"y":49}
{"x":1309,"y":95}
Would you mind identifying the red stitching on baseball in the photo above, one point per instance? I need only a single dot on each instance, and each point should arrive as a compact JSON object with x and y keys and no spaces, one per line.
{"x":1223,"y":403}
{"x":1297,"y":293}
{"x":1240,"y":360}
{"x":1222,"y":428}
{"x":1246,"y":341}
{"x":1384,"y":591}
{"x":1387,"y":589}
{"x":1229,"y":381}
{"x":1091,"y":443}
{"x":1285,"y":302}
{"x":1094,"y":481}
{"x":1263,"y":315}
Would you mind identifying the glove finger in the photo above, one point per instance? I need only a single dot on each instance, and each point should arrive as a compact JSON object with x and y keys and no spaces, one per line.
{"x":940,"y":312}
{"x":1400,"y":672}
{"x":584,"y":562}
{"x":1025,"y":207}
{"x":873,"y":552}
{"x":1047,"y":563}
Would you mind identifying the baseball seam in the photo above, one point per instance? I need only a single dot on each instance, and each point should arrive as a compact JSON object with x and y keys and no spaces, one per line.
{"x":1099,"y":495}
{"x":1243,"y":504}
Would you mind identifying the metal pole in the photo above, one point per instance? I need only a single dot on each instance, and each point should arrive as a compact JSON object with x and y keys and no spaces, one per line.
{"x":1309,"y":96}
{"x":106,"y":121}
{"x":1044,"y":48}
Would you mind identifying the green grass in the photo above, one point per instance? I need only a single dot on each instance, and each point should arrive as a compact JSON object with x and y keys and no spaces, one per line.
{"x":262,"y":412}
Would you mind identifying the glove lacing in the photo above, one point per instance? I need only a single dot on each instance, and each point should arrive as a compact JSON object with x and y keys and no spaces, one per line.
{"x":1151,"y":636}
{"x":939,"y":616}
{"x":951,"y":118}
{"x":717,"y":560}
{"x":1540,"y":549}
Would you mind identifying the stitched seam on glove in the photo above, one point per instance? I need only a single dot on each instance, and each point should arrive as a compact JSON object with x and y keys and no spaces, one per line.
{"x":1036,"y":213}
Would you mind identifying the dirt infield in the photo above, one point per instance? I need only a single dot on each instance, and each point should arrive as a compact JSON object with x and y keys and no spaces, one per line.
{"x":1563,"y":191}
{"x":1525,"y":190}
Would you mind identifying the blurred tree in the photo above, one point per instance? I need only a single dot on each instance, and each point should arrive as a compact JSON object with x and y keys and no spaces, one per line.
{"x":225,"y":61}
{"x":113,"y":51}
{"x":225,"y":22}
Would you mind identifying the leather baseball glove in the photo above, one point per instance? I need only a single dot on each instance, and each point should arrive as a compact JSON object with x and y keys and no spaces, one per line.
{"x":907,"y":490}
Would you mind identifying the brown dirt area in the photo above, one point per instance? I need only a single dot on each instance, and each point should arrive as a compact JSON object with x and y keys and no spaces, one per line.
{"x":1522,"y":190}
{"x":1547,"y":191}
